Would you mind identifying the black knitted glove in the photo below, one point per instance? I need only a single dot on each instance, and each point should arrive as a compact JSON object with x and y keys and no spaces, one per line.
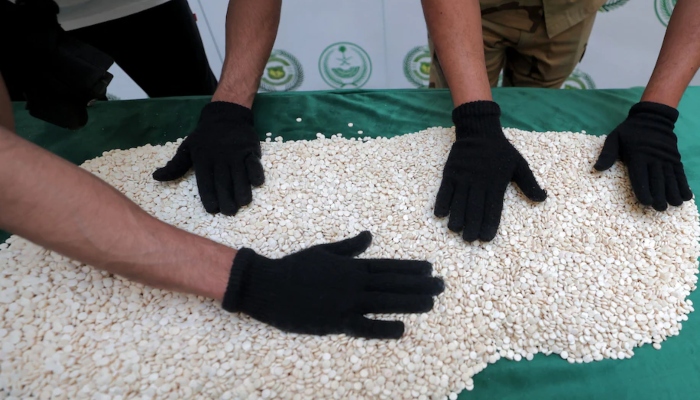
{"x":324,"y":290}
{"x":647,"y":145}
{"x":479,"y":168}
{"x":225,"y":151}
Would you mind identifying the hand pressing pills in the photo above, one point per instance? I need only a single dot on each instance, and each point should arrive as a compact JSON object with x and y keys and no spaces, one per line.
{"x":325,"y":290}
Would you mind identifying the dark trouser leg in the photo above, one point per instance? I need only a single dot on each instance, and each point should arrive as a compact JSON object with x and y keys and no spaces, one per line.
{"x":159,"y":48}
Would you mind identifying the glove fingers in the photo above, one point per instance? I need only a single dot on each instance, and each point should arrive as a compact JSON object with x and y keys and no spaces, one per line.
{"x":223,"y":182}
{"x":256,"y":174}
{"x":361,"y":326}
{"x":639,"y":178}
{"x":474,"y":214}
{"x":393,"y":303}
{"x":350,"y":247}
{"x":657,"y":186}
{"x":207,"y":189}
{"x":176,"y":167}
{"x":527,"y":183}
{"x":242,"y":192}
{"x":609,"y":153}
{"x":458,"y":208}
{"x":493,"y":208}
{"x":405,"y":284}
{"x":683,"y":187}
{"x":444,"y":197}
{"x":673,"y":194}
{"x":405,"y":267}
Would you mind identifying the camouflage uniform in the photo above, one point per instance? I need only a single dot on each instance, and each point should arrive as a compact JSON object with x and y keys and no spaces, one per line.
{"x":537,"y":43}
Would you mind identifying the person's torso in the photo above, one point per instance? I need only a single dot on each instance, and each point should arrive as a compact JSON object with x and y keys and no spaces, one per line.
{"x":559,"y":15}
{"x":75,"y":14}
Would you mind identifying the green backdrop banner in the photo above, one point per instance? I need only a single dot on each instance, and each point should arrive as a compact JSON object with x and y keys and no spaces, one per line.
{"x":671,"y":373}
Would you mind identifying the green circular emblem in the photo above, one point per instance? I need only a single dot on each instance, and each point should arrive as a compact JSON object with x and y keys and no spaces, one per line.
{"x":612,"y":4}
{"x":664,"y":9}
{"x":282,"y":73}
{"x":416,"y":66}
{"x":344,"y":65}
{"x":579,"y":80}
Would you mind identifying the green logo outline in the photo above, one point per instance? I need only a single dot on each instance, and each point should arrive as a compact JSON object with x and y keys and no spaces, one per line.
{"x":579,"y":80}
{"x":612,"y":5}
{"x":289,"y":70}
{"x":664,"y":7}
{"x":338,"y":77}
{"x":413,"y":65}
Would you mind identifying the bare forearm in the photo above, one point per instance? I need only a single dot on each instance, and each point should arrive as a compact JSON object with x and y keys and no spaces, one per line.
{"x":251,"y":29}
{"x":64,"y":208}
{"x":455,"y":28}
{"x":6,"y":118}
{"x":679,"y":57}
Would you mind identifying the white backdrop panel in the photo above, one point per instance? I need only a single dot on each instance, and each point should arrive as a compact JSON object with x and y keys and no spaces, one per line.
{"x":349,"y":44}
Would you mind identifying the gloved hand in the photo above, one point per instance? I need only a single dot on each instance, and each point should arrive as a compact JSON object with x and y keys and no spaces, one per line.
{"x":324,"y":290}
{"x":479,"y":168}
{"x":647,"y":145}
{"x":225,"y":151}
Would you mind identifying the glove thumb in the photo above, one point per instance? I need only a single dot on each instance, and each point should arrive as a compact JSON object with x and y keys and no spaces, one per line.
{"x":175,"y":168}
{"x":350,"y":247}
{"x":527,"y":183}
{"x":610,"y":152}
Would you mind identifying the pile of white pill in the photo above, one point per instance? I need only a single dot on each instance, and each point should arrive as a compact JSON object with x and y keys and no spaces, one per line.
{"x":588,"y":275}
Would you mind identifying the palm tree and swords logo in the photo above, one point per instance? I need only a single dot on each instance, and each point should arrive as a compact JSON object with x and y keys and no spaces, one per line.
{"x":344,"y":64}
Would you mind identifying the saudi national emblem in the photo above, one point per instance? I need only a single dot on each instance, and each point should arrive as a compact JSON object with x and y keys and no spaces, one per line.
{"x":345,"y":65}
{"x":579,"y":80}
{"x":282,"y":73}
{"x":612,"y":4}
{"x":664,"y":9}
{"x":416,"y":66}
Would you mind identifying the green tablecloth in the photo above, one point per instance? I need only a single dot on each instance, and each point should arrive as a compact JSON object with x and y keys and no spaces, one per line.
{"x":671,"y":373}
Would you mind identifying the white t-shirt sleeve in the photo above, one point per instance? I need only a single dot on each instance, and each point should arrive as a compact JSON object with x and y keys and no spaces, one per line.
{"x":76,"y":14}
